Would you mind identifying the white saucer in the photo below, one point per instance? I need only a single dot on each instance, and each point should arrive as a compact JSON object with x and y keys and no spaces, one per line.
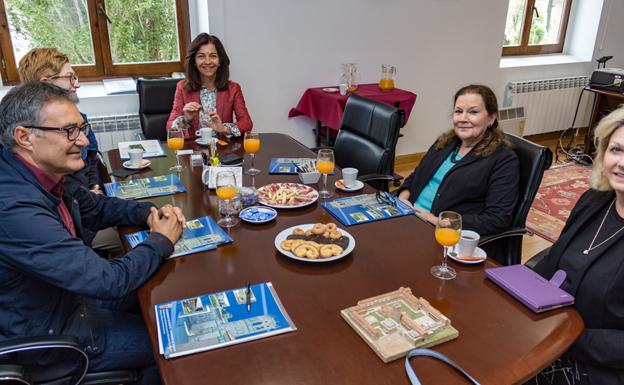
{"x":201,"y":142}
{"x":145,"y":163}
{"x":340,"y":185}
{"x":331,"y":90}
{"x":478,"y":253}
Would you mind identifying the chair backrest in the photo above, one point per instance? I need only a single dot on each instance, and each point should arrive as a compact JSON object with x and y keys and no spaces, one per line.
{"x":155,"y":103}
{"x":368,"y":136}
{"x":534,"y":160}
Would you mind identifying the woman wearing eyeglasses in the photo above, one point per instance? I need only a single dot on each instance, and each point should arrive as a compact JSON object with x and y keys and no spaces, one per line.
{"x":207,"y":97}
{"x":50,"y":65}
{"x":469,"y":169}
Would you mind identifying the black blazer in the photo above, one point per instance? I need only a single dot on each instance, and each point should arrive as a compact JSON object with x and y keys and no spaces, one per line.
{"x":601,"y":346}
{"x":484,"y":190}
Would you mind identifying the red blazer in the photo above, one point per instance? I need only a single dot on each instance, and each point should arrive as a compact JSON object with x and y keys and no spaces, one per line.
{"x":230,"y":102}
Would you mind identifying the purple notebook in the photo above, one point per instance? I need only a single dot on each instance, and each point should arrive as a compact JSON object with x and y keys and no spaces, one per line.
{"x":530,"y":288}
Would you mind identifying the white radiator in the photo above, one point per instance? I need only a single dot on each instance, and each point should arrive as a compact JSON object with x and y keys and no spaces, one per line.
{"x":107,"y":140}
{"x":549,"y":104}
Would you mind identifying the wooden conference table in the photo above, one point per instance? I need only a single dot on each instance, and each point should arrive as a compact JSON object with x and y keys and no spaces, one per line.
{"x":500,"y":342}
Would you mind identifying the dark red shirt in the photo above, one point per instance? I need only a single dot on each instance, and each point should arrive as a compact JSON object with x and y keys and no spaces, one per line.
{"x":53,"y":185}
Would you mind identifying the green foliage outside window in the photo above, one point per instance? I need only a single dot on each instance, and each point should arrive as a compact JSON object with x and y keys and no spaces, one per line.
{"x":141,"y":31}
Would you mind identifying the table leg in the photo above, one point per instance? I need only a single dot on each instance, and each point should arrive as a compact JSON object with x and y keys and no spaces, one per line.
{"x":589,"y":136}
{"x":318,"y":133}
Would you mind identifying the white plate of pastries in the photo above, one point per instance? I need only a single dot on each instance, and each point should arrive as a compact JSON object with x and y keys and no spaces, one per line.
{"x":315,"y":242}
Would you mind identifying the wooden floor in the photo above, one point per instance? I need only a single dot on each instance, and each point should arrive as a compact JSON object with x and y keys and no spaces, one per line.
{"x":531,"y":245}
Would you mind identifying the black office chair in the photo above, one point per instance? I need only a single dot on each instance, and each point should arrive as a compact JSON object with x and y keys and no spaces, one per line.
{"x":367,"y":139}
{"x":534,"y":160}
{"x":69,"y":363}
{"x":155,"y":103}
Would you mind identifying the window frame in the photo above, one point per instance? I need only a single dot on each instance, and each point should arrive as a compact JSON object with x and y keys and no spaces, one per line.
{"x":103,"y":67}
{"x":524,"y":48}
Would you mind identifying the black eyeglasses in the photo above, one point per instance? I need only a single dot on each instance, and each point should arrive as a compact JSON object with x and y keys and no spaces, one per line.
{"x":386,"y":198}
{"x":72,"y":131}
{"x":73,"y":78}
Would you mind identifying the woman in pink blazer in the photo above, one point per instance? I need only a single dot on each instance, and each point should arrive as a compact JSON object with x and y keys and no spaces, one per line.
{"x":207,"y":98}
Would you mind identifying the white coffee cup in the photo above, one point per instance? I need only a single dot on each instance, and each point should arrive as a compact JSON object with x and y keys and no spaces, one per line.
{"x":205,"y":133}
{"x":349,"y":176}
{"x":468,"y":243}
{"x":342,"y":88}
{"x":136,"y":157}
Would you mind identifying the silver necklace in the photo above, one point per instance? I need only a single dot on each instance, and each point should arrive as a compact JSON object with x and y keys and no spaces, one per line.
{"x":591,"y":245}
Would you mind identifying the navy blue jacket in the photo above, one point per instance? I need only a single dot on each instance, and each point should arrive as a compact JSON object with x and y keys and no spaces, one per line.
{"x":45,"y":273}
{"x":484,"y":190}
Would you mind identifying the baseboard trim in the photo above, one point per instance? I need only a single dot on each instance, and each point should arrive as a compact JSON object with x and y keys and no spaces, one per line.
{"x":408,"y":158}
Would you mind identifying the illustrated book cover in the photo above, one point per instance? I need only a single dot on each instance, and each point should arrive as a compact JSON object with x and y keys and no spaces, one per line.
{"x":220,"y":319}
{"x":199,"y":234}
{"x":394,"y":323}
{"x":145,"y":187}
{"x":289,"y":165}
{"x":364,"y":208}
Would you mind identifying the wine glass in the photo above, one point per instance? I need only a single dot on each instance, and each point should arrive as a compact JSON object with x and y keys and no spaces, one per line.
{"x":226,"y":190}
{"x":447,"y":234}
{"x":325,"y":165}
{"x":175,"y":141}
{"x":252,"y":145}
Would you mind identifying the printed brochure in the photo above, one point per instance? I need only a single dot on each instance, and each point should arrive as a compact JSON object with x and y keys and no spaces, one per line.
{"x":220,"y":319}
{"x":199,"y":234}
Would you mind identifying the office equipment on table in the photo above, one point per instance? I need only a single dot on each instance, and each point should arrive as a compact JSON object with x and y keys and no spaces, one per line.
{"x":145,"y":187}
{"x":200,"y":234}
{"x":220,"y":319}
{"x":290,"y":165}
{"x":530,"y":288}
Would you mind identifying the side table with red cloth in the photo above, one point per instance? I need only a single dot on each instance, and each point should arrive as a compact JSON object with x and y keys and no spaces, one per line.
{"x":327,"y":108}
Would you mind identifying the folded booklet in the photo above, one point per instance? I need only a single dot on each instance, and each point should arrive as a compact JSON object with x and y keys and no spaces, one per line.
{"x":530,"y":288}
{"x":199,"y":234}
{"x":364,"y":208}
{"x":145,"y":187}
{"x":220,"y":319}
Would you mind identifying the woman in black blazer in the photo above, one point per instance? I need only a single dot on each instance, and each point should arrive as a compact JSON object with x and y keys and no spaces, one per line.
{"x":469,"y":169}
{"x":591,"y":252}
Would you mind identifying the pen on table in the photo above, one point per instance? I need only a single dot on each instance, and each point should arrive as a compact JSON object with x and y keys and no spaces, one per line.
{"x":248,"y":297}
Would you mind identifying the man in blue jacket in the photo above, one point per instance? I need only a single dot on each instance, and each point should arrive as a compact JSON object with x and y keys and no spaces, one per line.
{"x":50,"y":281}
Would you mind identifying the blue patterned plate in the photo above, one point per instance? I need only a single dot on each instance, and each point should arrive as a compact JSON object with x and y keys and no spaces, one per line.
{"x":258,"y":214}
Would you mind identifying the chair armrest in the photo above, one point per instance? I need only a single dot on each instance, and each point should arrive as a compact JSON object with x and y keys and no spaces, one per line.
{"x":39,"y":342}
{"x":14,"y":373}
{"x":368,"y":177}
{"x":537,"y":258}
{"x":111,"y":377}
{"x":515,"y":232}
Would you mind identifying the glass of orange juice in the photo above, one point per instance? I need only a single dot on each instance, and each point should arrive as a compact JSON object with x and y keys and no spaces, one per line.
{"x":447,"y":234}
{"x":226,"y":190}
{"x":175,"y":141}
{"x":251,"y":144}
{"x":325,"y":165}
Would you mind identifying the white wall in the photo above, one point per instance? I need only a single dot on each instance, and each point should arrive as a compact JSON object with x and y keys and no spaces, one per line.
{"x":279,"y":48}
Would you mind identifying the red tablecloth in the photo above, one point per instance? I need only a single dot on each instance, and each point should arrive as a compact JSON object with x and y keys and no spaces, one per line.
{"x":328,"y":107}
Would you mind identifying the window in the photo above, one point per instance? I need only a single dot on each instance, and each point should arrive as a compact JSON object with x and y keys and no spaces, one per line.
{"x":535,"y":27}
{"x":103,"y":38}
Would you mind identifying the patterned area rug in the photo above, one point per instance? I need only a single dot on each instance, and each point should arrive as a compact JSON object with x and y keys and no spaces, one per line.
{"x":561,"y":187}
